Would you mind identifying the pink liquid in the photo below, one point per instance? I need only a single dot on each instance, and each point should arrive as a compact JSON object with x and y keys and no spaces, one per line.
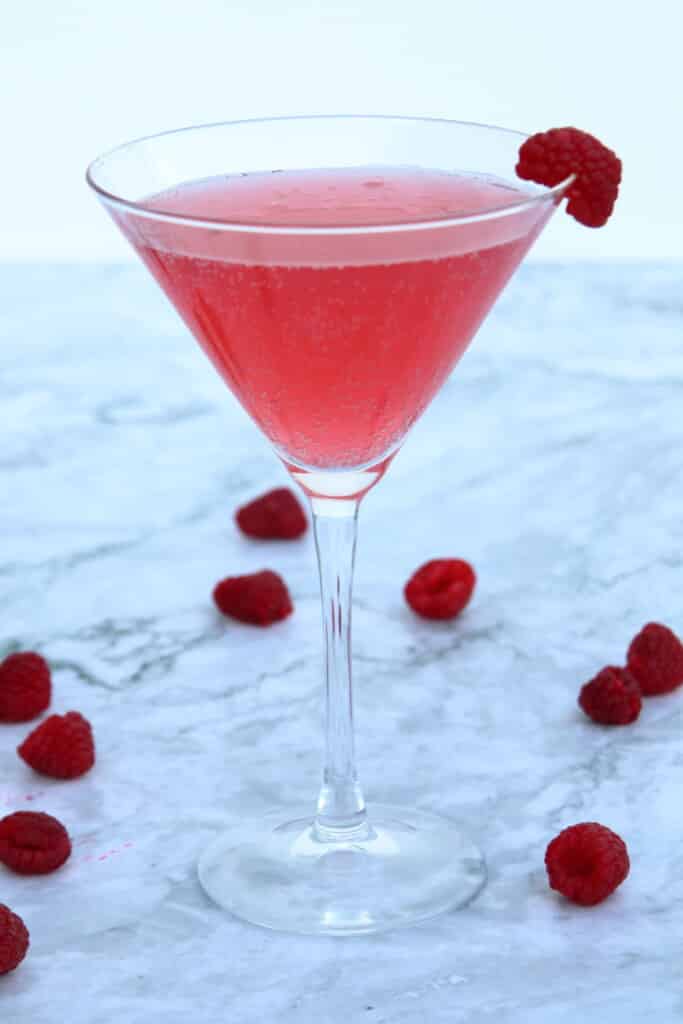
{"x":335,"y":342}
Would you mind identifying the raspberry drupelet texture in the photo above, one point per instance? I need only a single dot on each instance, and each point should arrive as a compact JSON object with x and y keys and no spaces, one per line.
{"x":586,"y":863}
{"x":32,"y":843}
{"x":14,"y":940}
{"x":25,"y":686}
{"x":612,"y":697}
{"x":440,"y":589}
{"x":550,"y":157}
{"x":62,"y":746}
{"x":260,"y":598}
{"x":655,"y":658}
{"x":276,"y":515}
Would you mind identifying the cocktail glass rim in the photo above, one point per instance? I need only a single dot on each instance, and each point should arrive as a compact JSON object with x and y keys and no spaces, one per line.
{"x":140,"y":209}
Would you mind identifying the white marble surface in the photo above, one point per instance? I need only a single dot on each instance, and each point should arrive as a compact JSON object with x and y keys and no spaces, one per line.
{"x":552,"y":460}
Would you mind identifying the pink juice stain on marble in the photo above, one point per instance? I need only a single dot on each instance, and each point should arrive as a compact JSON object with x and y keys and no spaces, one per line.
{"x":94,"y":857}
{"x":9,"y":799}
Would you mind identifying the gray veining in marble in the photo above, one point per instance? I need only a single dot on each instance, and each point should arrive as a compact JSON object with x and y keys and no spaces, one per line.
{"x":552,"y":460}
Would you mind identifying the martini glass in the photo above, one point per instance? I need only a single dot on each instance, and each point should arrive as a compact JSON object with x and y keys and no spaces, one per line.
{"x":333,"y":269}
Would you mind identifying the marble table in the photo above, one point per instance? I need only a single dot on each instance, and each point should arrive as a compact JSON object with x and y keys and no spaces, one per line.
{"x":552,"y":460}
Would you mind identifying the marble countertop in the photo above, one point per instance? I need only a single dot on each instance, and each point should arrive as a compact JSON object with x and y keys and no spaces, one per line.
{"x":552,"y":459}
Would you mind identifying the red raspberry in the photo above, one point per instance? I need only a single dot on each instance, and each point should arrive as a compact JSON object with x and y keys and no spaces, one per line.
{"x":62,"y":746}
{"x":33,"y":843}
{"x":550,"y":157}
{"x":25,"y":687}
{"x":440,"y":589}
{"x":260,"y":598}
{"x":13,"y":940}
{"x":612,"y":697}
{"x":655,"y":658}
{"x":276,"y":515}
{"x":586,"y":863}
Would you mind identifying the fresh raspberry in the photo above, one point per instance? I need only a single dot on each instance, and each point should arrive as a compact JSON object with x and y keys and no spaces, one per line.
{"x":276,"y":515}
{"x":440,"y":589}
{"x":25,"y":687}
{"x":655,"y":658}
{"x":62,"y":746}
{"x":612,"y":697}
{"x":550,"y":157}
{"x":13,"y":940}
{"x":260,"y":598}
{"x":32,"y":843}
{"x":586,"y":863}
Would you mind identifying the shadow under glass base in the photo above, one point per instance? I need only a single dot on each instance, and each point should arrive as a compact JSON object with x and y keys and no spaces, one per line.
{"x":409,"y":866}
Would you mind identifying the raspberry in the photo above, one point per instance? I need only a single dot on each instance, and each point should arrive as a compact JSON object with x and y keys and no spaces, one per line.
{"x":33,"y":843}
{"x":655,"y":658}
{"x":276,"y":515}
{"x":550,"y":157}
{"x":62,"y":746}
{"x":260,"y":598}
{"x":586,"y":863}
{"x":25,"y":687}
{"x":440,"y":589}
{"x":612,"y":697}
{"x":13,"y":940}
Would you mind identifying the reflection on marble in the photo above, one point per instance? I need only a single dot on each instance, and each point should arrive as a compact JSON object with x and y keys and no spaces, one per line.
{"x":552,"y":460}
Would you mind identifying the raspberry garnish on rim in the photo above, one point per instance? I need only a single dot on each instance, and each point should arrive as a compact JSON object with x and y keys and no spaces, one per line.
{"x":549,"y":158}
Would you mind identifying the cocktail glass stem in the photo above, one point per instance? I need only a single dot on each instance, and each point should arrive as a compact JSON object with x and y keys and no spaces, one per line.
{"x":341,"y":811}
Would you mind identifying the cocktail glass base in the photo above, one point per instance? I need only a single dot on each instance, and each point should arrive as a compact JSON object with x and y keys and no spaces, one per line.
{"x":405,"y":866}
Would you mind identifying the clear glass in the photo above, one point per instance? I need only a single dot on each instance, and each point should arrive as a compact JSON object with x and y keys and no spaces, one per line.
{"x":337,"y":868}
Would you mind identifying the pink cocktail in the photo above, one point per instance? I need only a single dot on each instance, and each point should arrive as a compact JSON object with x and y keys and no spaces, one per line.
{"x":335,"y":350}
{"x":334,"y":270}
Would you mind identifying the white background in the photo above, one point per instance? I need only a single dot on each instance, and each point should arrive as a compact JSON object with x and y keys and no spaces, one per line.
{"x":78,"y":77}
